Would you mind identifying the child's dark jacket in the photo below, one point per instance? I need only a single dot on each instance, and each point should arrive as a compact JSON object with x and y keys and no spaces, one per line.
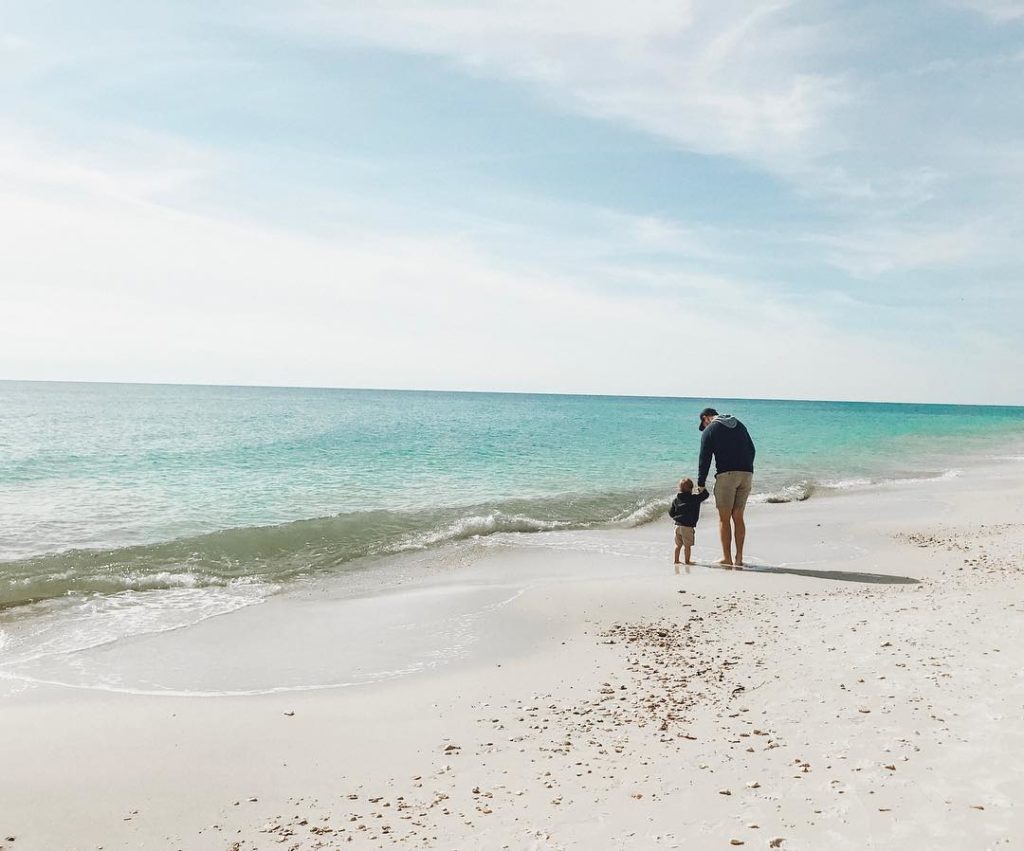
{"x":685,"y":508}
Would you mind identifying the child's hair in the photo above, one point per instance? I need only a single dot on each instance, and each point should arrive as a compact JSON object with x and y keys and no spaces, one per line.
{"x":686,"y":485}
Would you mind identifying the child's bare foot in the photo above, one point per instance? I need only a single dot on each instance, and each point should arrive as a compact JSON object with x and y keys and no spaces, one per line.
{"x":691,"y":562}
{"x":677,"y":561}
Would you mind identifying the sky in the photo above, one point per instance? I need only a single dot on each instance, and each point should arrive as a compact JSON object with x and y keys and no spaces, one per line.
{"x":708,"y":198}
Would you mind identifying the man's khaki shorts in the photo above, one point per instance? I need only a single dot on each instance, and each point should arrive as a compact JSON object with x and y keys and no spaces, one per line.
{"x":732,"y":490}
{"x":684,"y":536}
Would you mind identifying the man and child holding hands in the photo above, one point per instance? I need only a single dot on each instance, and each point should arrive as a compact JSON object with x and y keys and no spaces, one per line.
{"x":727,"y":440}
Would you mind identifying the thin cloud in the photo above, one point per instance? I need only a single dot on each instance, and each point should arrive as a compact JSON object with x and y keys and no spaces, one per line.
{"x":999,"y":11}
{"x":712,"y":77}
{"x":877,"y":253}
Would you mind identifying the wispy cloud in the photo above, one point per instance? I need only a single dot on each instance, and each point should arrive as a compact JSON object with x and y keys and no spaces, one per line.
{"x":997,"y":10}
{"x":789,"y":88}
{"x":717,"y":78}
{"x":871,"y":254}
{"x":138,"y":166}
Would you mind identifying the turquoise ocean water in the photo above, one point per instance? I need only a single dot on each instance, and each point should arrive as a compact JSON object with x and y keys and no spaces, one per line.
{"x":129,"y":496}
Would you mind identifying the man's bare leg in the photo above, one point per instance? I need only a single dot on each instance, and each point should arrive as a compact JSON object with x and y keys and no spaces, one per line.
{"x":741,"y":534}
{"x":725,"y":531}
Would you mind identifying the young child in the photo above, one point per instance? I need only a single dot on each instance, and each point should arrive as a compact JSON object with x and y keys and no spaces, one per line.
{"x":685,"y":510}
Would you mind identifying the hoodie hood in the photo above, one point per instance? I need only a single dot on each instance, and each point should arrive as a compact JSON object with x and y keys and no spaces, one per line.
{"x":728,"y":420}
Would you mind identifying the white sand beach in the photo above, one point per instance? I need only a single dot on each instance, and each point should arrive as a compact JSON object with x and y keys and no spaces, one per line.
{"x":581,"y":695}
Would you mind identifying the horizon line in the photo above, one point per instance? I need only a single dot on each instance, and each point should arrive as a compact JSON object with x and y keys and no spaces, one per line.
{"x":498,"y":392}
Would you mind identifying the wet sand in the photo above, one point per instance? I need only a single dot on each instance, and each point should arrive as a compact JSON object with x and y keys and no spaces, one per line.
{"x":860,"y":687}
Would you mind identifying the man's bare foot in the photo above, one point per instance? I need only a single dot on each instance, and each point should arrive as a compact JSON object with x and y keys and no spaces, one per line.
{"x":678,"y":562}
{"x":725,"y":562}
{"x":691,"y":562}
{"x":740,"y":564}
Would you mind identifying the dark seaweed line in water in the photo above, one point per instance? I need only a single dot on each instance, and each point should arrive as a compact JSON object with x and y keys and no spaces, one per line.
{"x":300,"y":548}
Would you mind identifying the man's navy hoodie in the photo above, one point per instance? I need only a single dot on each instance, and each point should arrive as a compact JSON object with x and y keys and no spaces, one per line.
{"x":728,"y":440}
{"x":685,"y":508}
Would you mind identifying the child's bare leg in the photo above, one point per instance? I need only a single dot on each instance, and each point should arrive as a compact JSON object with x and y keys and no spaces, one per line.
{"x":675,"y":556}
{"x":686,"y":554}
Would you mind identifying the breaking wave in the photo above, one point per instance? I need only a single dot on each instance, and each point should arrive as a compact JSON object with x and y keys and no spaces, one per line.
{"x":797,"y":492}
{"x":277,"y":554}
{"x":804,"y":489}
{"x":274,"y":555}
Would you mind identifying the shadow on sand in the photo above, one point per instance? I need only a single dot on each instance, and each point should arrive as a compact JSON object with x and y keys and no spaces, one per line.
{"x":840,"y":575}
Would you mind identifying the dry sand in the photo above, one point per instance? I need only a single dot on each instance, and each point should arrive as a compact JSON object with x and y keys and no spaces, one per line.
{"x":604,"y":702}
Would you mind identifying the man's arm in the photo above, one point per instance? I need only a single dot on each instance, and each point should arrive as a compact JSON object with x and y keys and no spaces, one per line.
{"x":705,"y":457}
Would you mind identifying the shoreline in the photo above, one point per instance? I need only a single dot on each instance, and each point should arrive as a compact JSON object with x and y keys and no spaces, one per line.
{"x":483,"y":570}
{"x":904,"y":701}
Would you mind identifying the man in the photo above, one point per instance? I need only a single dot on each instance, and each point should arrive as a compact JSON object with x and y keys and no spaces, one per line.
{"x":727,"y":439}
